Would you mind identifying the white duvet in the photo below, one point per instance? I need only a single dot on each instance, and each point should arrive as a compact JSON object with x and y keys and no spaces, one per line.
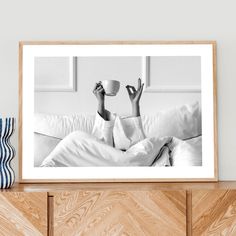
{"x":82,"y":149}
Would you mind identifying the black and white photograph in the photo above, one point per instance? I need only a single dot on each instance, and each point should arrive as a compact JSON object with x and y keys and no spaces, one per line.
{"x":120,"y":113}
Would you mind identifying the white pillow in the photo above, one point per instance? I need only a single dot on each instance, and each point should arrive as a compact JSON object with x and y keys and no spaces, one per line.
{"x":186,"y":153}
{"x":60,"y":126}
{"x":43,"y":145}
{"x":181,"y":122}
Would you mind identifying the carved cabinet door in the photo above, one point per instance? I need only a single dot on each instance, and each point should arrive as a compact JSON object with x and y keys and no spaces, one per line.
{"x":23,"y":213}
{"x":111,"y":212}
{"x":214,"y":212}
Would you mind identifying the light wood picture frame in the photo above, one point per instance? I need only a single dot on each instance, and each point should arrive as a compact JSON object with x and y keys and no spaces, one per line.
{"x":181,"y":171}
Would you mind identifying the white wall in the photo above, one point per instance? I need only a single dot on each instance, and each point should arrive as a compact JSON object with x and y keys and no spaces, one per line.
{"x":126,"y":20}
{"x":127,"y":70}
{"x":175,"y":71}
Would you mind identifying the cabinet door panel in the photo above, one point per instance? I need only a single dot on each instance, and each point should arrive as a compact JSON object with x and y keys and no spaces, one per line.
{"x":120,"y":213}
{"x":214,"y":212}
{"x":23,"y":213}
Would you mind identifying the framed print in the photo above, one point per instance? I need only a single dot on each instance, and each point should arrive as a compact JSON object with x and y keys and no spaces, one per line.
{"x":55,"y":74}
{"x":184,"y":75}
{"x":143,"y":111}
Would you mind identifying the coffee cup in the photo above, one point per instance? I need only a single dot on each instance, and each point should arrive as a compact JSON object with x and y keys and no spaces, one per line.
{"x":111,"y":87}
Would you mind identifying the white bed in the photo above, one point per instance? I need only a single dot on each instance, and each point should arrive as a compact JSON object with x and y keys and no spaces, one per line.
{"x":173,"y":139}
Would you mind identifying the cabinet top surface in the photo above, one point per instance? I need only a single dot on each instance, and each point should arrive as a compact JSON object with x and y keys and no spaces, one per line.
{"x":52,"y":187}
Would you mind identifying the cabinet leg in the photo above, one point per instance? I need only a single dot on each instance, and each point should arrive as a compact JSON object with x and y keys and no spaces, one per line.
{"x":189,"y":212}
{"x":50,"y":215}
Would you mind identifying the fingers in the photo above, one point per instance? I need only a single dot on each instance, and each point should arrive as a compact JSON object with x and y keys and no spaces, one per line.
{"x":140,"y":90}
{"x":139,"y":83}
{"x":128,"y":89}
{"x":142,"y":87}
{"x":95,"y":87}
{"x":98,"y":86}
{"x":131,"y":89}
{"x":100,"y":89}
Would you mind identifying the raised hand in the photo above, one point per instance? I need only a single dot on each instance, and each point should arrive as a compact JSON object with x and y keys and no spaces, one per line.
{"x":135,"y":94}
{"x":99,"y":92}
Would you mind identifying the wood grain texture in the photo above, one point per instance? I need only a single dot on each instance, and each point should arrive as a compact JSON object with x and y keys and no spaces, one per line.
{"x":214,"y":212}
{"x":120,"y":213}
{"x":189,"y":212}
{"x":23,"y":214}
{"x":20,"y":109}
{"x":58,"y":187}
{"x":50,"y":215}
{"x":215,"y":121}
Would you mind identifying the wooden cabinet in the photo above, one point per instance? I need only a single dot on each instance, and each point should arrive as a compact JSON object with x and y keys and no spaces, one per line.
{"x":119,"y":209}
{"x":213,"y":212}
{"x":120,"y":213}
{"x":23,"y":213}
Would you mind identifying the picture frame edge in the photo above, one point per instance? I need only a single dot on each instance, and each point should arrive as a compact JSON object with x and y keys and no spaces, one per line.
{"x":105,"y":42}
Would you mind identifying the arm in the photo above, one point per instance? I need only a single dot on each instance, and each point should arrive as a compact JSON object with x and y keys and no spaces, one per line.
{"x":102,"y":111}
{"x":104,"y":121}
{"x":134,"y":127}
{"x":134,"y":96}
{"x":100,"y":95}
{"x":135,"y":110}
